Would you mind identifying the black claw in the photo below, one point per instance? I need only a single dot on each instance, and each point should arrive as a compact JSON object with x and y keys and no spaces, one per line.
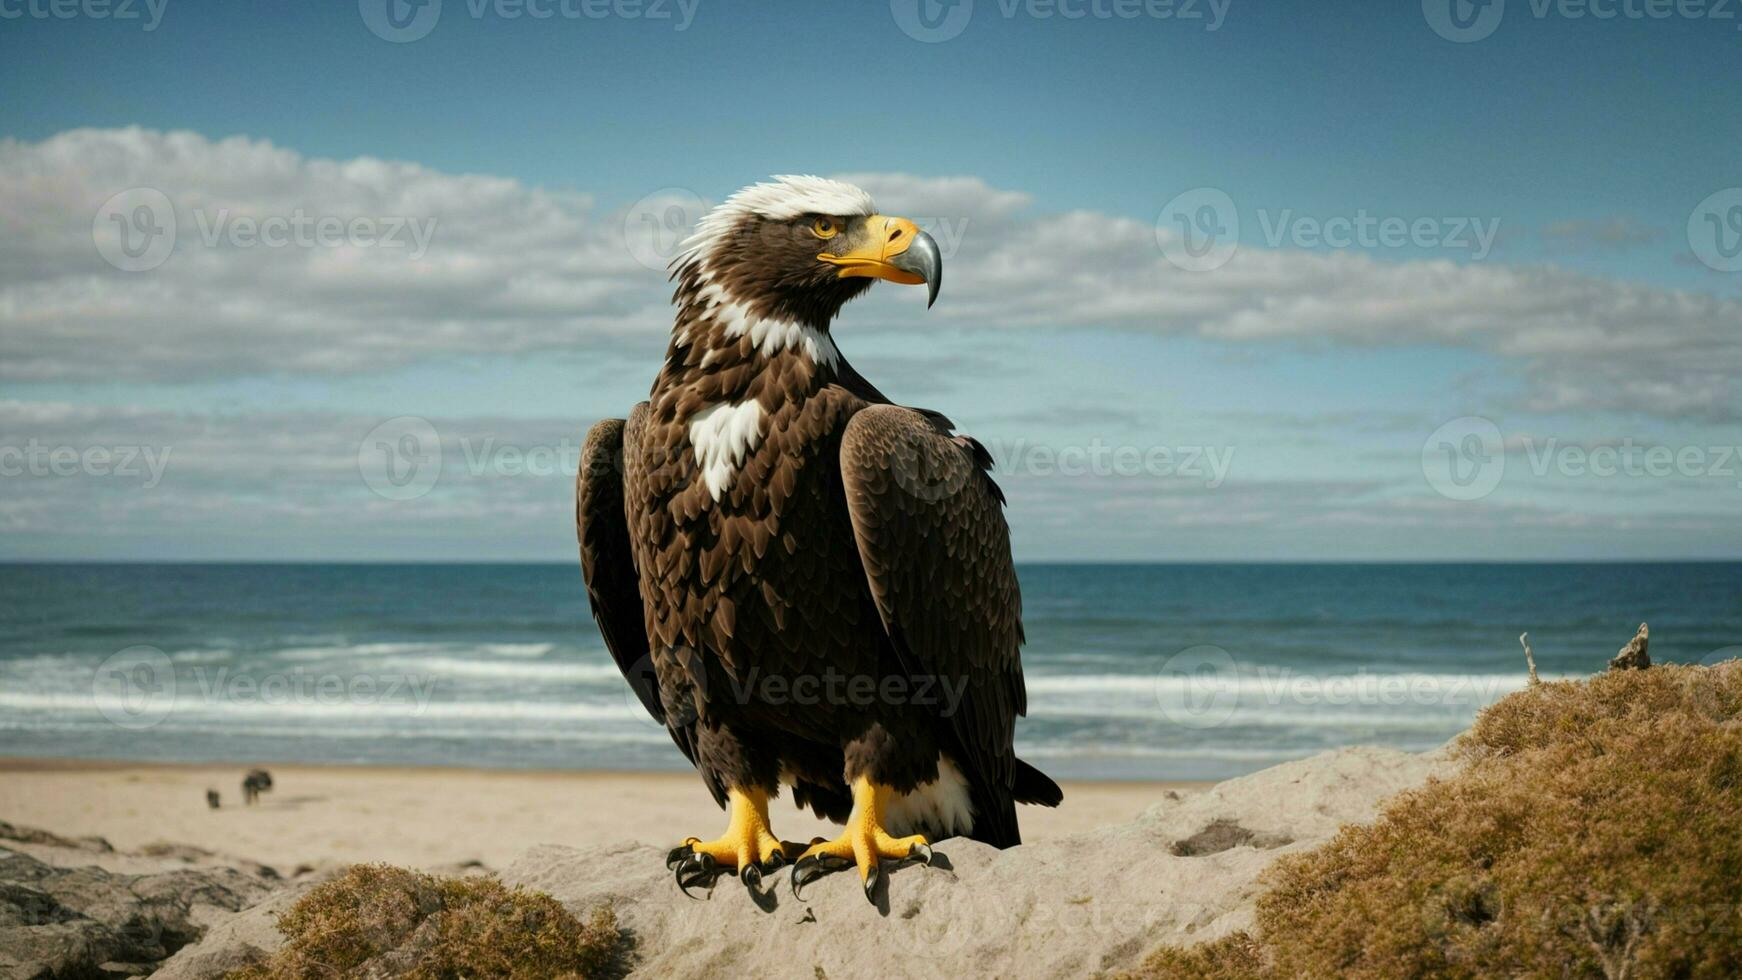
{"x":809,"y":869}
{"x":752,"y":876}
{"x":920,"y":853}
{"x":805,"y":871}
{"x":677,"y":855}
{"x":871,"y":878}
{"x":777,"y":862}
{"x":697,"y":869}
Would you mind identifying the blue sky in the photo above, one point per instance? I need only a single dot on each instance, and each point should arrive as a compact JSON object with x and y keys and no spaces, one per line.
{"x":1056,"y":146}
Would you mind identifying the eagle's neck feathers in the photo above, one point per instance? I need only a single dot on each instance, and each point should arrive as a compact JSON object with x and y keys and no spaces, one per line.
{"x":725,"y":348}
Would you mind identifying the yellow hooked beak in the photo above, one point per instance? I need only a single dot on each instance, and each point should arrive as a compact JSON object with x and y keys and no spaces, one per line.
{"x":893,"y":249}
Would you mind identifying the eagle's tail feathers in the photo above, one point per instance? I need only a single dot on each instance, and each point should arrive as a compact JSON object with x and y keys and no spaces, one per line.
{"x":1034,"y":786}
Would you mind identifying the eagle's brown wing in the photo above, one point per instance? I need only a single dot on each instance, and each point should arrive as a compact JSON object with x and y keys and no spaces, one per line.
{"x":608,"y":565}
{"x":608,"y":562}
{"x":929,"y":523}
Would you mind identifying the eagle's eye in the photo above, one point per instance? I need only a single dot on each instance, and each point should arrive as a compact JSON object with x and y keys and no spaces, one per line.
{"x":824,"y":228}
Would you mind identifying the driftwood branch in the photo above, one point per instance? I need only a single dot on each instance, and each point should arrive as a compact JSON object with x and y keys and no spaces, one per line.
{"x":1529,"y":661}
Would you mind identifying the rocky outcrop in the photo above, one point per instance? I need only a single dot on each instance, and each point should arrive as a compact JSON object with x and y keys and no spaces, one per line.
{"x":67,"y":922}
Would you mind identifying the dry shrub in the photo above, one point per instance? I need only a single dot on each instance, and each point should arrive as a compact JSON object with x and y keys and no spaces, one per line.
{"x":1233,"y":957}
{"x":1596,"y":831}
{"x":381,"y":921}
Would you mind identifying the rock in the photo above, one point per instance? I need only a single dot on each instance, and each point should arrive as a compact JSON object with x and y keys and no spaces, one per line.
{"x":1060,"y":908}
{"x":31,"y":835}
{"x":1633,"y":655}
{"x":239,"y":940}
{"x":189,"y":854}
{"x":77,"y":922}
{"x":1221,"y":835}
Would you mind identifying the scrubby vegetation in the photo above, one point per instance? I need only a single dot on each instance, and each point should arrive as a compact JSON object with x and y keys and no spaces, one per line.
{"x":381,"y":921}
{"x":1595,"y":831}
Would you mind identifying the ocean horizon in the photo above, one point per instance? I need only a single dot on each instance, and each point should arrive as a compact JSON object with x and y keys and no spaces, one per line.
{"x":1134,"y":670}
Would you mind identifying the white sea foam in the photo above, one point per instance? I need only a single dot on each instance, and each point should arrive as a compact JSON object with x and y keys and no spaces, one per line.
{"x":1261,"y":680}
{"x":512,"y":651}
{"x":379,"y":703}
{"x":548,"y":671}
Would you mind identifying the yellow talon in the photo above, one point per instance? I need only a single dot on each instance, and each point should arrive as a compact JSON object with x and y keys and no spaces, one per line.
{"x":864,"y":842}
{"x":747,"y":843}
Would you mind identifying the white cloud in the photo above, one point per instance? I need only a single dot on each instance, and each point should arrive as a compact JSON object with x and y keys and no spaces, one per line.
{"x":513,"y":268}
{"x":507,"y":267}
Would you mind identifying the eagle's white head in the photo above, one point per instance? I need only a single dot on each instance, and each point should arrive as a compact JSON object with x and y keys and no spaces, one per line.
{"x":795,"y":248}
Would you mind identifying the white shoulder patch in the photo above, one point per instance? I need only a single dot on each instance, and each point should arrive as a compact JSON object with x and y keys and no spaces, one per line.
{"x":721,"y":435}
{"x":942,"y":808}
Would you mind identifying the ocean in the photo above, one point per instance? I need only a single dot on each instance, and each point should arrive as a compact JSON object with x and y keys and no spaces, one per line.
{"x":1134,"y":671}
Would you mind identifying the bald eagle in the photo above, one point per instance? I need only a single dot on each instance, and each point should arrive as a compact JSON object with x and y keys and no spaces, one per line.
{"x":809,"y":586}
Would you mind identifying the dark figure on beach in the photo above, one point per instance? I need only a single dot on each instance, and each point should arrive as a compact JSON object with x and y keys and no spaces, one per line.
{"x":256,"y":782}
{"x":212,"y":799}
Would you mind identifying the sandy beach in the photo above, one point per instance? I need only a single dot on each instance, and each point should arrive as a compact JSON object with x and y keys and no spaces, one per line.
{"x":429,"y":817}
